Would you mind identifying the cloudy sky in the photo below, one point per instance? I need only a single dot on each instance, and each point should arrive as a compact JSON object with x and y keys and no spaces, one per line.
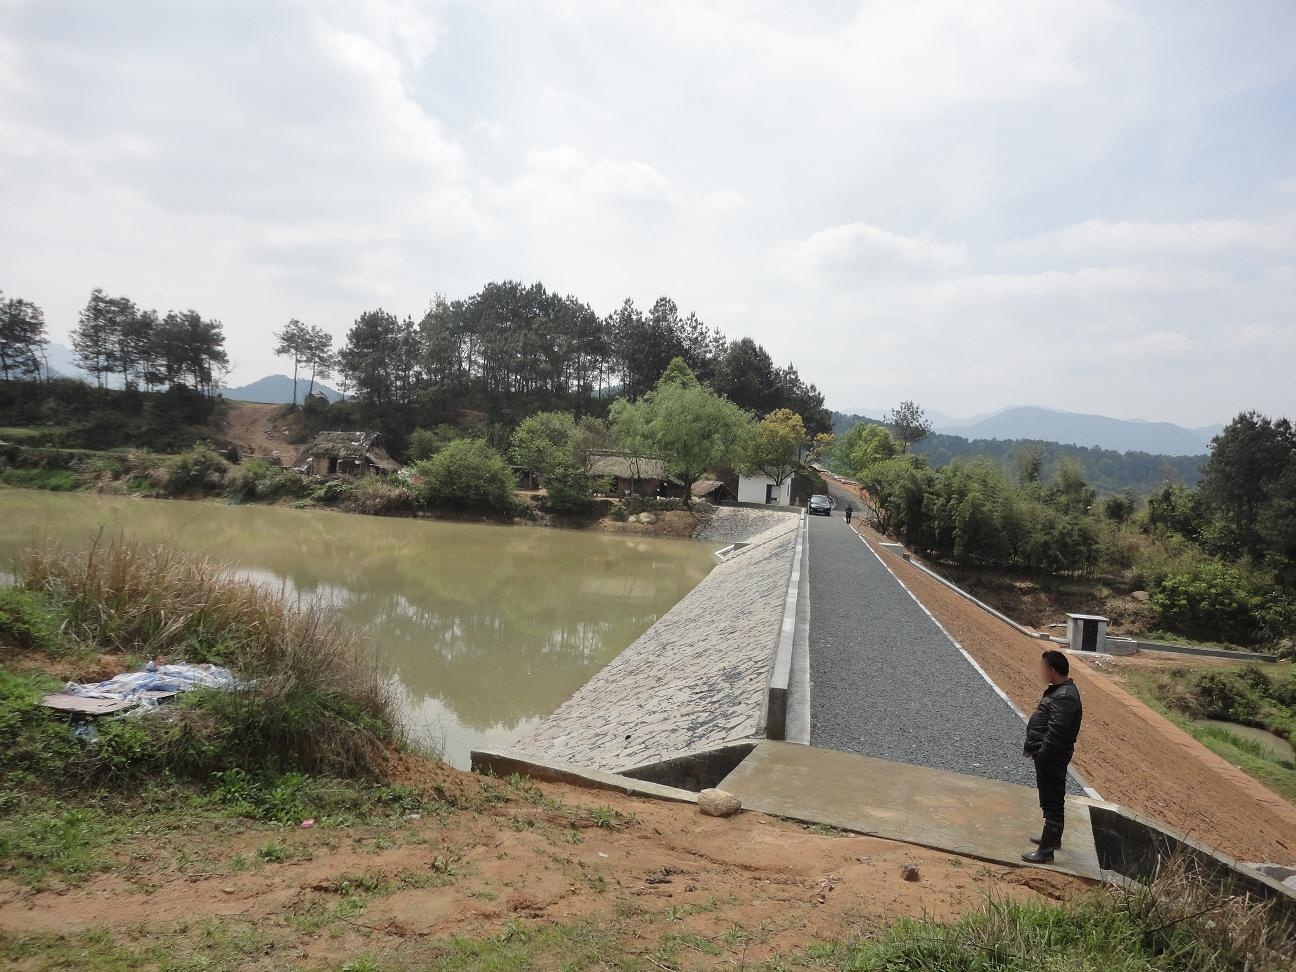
{"x":1086,"y":204}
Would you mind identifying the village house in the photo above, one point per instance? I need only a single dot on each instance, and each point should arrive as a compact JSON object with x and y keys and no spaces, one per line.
{"x":641,"y":475}
{"x":759,"y":488}
{"x":355,"y":454}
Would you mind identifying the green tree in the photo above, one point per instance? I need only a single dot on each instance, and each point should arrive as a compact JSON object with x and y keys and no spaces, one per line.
{"x":543,"y":441}
{"x":773,"y":445}
{"x":93,"y":337}
{"x":1119,"y":507}
{"x":1068,"y":491}
{"x":909,"y":423}
{"x":293,"y":341}
{"x":1251,"y":452}
{"x":872,"y":445}
{"x":319,"y":356}
{"x":678,"y":373}
{"x":426,"y":443}
{"x":22,"y":338}
{"x":1029,"y":464}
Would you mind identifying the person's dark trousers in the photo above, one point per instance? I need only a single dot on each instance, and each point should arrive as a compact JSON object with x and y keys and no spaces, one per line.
{"x":1050,"y":780}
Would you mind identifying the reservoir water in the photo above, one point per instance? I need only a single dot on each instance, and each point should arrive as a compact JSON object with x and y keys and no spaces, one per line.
{"x":486,"y":629}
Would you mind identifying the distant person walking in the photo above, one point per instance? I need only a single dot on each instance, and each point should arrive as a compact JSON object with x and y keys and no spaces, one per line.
{"x":1050,"y":741}
{"x":849,"y":510}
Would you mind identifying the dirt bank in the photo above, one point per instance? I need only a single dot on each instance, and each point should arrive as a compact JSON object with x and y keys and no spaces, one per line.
{"x":1129,"y":753}
{"x":258,"y":430}
{"x":626,"y":876}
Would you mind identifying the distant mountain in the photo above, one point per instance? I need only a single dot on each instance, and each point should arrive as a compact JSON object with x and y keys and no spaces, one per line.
{"x":1073,"y":428}
{"x":277,"y":390}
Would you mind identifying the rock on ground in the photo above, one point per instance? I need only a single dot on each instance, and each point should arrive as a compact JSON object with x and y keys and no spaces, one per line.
{"x":718,"y":803}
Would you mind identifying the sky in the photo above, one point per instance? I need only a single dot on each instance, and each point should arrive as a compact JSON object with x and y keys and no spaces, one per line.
{"x":1084,"y":204}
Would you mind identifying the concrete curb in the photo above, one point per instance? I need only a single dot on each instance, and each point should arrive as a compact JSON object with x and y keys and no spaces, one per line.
{"x":1136,"y":847}
{"x":776,"y":699}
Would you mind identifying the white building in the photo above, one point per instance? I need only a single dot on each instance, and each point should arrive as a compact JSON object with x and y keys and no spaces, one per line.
{"x":759,"y":488}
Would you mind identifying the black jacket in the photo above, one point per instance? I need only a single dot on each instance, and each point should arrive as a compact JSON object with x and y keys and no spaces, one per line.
{"x":1054,"y":725}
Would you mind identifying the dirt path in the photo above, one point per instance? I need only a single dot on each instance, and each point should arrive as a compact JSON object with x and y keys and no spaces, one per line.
{"x":252,"y":426}
{"x":1128,"y":753}
{"x":638,"y":873}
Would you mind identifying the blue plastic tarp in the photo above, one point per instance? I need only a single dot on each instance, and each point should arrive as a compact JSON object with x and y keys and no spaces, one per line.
{"x":178,"y":677}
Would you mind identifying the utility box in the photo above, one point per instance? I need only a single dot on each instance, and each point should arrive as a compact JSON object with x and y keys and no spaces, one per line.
{"x":1087,"y":632}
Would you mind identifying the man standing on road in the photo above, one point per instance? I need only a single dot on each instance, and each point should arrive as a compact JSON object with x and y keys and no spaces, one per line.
{"x":1050,"y":741}
{"x":849,"y":510}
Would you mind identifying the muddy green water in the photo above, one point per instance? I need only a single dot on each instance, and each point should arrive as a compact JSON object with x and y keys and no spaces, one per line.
{"x":486,"y":629}
{"x":1276,"y":746}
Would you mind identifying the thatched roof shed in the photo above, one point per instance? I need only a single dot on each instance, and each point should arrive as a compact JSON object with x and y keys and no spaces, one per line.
{"x":347,"y":454}
{"x":618,"y":465}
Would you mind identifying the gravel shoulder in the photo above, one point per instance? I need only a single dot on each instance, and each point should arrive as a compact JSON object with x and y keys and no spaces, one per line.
{"x":886,"y":681}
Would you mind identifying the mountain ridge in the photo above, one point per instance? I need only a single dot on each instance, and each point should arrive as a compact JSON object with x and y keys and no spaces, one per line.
{"x":1038,"y":422}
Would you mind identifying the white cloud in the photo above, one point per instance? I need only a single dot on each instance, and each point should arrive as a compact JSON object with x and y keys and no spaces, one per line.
{"x":862,"y":247}
{"x":724,"y":201}
{"x":1102,"y":239}
{"x":563,"y":187}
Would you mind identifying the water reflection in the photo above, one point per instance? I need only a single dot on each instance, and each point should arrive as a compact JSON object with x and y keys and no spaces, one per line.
{"x":486,"y":629}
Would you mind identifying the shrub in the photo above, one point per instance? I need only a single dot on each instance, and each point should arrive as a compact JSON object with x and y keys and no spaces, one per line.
{"x":55,"y":480}
{"x":331,"y":491}
{"x":198,"y":470}
{"x":467,"y":473}
{"x":257,"y":479}
{"x":568,"y":488}
{"x":311,"y":699}
{"x":1210,"y":600}
{"x":380,"y":497}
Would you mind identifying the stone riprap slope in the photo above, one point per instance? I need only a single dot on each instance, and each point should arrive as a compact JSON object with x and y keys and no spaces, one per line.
{"x":696,"y":678}
{"x":732,"y":524}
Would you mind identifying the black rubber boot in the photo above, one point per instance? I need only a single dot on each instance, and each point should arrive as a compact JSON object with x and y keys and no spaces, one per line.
{"x":1049,"y":841}
{"x":1036,"y":840}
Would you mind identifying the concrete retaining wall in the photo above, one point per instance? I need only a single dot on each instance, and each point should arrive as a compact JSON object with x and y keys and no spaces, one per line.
{"x":1131,"y":845}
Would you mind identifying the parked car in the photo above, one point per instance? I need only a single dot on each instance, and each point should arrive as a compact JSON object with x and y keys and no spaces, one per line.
{"x":820,"y":505}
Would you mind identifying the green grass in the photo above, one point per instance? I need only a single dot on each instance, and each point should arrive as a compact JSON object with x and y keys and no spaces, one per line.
{"x":1247,"y":755}
{"x":204,"y":945}
{"x":55,"y":480}
{"x":31,"y":621}
{"x":1176,"y":925}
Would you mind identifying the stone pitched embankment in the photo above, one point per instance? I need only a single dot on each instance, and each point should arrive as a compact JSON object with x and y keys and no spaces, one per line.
{"x":696,"y":678}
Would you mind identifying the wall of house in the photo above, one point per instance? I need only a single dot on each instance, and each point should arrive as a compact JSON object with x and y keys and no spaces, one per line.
{"x":752,"y":489}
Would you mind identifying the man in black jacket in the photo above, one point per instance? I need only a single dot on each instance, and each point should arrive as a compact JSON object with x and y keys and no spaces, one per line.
{"x":1050,"y":741}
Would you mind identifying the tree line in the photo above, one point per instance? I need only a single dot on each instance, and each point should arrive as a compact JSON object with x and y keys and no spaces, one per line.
{"x":1218,"y":559}
{"x":1107,"y":470}
{"x":512,"y":350}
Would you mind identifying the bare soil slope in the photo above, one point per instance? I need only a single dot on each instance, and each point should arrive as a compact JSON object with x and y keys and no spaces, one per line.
{"x":258,"y":430}
{"x":503,"y":856}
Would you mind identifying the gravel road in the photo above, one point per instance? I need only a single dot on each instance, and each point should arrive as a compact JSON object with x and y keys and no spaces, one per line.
{"x":886,"y":682}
